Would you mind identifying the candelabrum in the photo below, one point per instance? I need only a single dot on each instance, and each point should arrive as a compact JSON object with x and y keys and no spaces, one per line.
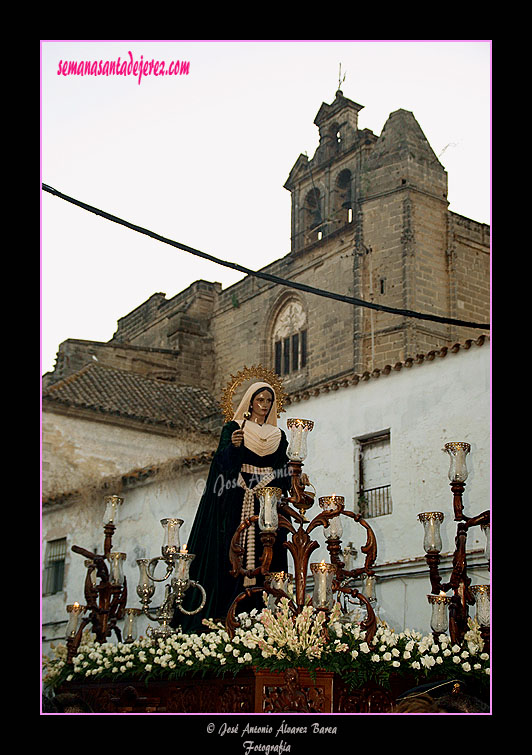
{"x":463,"y":594}
{"x":289,"y":512}
{"x":105,"y":588}
{"x":177,"y":560}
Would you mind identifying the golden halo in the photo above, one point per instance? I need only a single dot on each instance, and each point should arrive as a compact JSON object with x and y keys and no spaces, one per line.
{"x":256,"y":371}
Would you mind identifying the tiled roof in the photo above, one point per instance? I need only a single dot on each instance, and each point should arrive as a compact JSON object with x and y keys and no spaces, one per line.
{"x":133,"y":396}
{"x":120,"y":483}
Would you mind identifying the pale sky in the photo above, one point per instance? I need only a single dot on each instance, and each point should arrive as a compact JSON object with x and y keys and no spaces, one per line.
{"x":202,"y":158}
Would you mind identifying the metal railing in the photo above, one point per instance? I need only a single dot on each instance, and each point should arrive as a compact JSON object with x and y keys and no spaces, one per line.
{"x":375,"y":501}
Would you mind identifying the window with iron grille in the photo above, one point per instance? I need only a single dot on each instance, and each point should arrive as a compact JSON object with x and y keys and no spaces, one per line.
{"x":374,"y":475}
{"x":54,"y":566}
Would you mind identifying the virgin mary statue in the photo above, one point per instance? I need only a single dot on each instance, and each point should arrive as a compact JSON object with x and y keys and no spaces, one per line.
{"x":251,"y":455}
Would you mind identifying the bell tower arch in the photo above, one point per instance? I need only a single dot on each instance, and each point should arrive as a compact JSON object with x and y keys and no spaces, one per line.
{"x":324,"y":188}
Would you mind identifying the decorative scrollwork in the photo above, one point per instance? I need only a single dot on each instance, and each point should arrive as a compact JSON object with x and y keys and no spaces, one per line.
{"x":192,"y":583}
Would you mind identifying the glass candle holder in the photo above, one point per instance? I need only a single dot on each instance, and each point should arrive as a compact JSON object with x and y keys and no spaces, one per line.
{"x":182,"y":564}
{"x":482,"y":600}
{"x":457,"y":452}
{"x":279,"y":580}
{"x":299,"y":430}
{"x":116,"y":572}
{"x":431,"y":521}
{"x":348,"y":556}
{"x":368,"y":586}
{"x":439,"y":620}
{"x":75,"y":612}
{"x":112,"y":505}
{"x":268,"y":516}
{"x":322,"y":597}
{"x":94,"y":576}
{"x":330,"y":503}
{"x":129,"y":632}
{"x":145,"y":586}
{"x":171,"y":545}
{"x":486,"y":530}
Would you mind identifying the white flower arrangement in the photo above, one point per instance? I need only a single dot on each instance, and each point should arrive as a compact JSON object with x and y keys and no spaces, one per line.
{"x":277,"y":640}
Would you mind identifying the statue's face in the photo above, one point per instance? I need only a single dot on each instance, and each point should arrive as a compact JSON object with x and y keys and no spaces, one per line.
{"x":260,"y":408}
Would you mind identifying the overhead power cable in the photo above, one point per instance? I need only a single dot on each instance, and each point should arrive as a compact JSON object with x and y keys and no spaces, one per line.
{"x":260,"y":274}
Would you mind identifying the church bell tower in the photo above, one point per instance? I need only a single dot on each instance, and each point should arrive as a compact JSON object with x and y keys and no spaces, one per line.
{"x":382,"y":202}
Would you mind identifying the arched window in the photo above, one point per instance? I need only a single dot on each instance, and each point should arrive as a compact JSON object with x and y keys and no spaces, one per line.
{"x":342,"y":202}
{"x":313,"y":215}
{"x":335,"y":137}
{"x":290,"y":338}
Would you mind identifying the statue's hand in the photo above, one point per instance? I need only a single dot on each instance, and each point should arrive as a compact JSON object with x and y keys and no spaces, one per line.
{"x":237,"y":438}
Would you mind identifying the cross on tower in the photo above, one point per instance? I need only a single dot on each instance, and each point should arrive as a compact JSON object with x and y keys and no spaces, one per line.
{"x":341,"y":78}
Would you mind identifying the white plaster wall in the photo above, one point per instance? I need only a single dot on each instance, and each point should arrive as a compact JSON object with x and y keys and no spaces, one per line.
{"x":77,"y":451}
{"x":424,"y":407}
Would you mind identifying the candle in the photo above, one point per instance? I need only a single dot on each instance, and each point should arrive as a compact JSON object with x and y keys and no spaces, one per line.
{"x":130,"y":625}
{"x":75,"y":612}
{"x":431,"y":521}
{"x":457,"y":451}
{"x":184,"y":560}
{"x":439,"y":621}
{"x":299,"y":430}
{"x":117,"y":568}
{"x":112,"y":502}
{"x":93,"y":575}
{"x":171,"y":544}
{"x":369,"y":587}
{"x":349,"y":555}
{"x":268,"y":516}
{"x":331,"y":503}
{"x":145,"y":587}
{"x":486,"y":530}
{"x":322,"y":597}
{"x":279,"y":580}
{"x":482,"y":600}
